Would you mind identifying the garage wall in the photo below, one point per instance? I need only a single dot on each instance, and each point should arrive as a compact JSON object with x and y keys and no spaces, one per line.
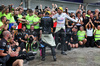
{"x":49,"y":3}
{"x":71,"y":6}
{"x":93,"y":7}
{"x":33,"y":3}
{"x":7,"y":2}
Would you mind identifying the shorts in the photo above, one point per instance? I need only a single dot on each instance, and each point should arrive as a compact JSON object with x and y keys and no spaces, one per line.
{"x":74,"y":42}
{"x":10,"y":61}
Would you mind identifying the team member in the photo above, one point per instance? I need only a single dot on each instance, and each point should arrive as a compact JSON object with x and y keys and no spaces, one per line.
{"x":60,"y":28}
{"x":32,"y":36}
{"x":36,"y":23}
{"x":20,"y":16}
{"x":89,"y":30}
{"x":4,"y":57}
{"x":17,"y":19}
{"x":97,"y":36}
{"x":81,"y":36}
{"x":3,"y":25}
{"x":23,"y":38}
{"x":30,"y":18}
{"x":74,"y":38}
{"x":47,"y":38}
{"x":9,"y":17}
{"x":32,"y":33}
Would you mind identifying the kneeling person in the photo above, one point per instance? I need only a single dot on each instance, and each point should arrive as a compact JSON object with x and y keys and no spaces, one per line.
{"x":97,"y":36}
{"x":74,"y":38}
{"x":81,"y":37}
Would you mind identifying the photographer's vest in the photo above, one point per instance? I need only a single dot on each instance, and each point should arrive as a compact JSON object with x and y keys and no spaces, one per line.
{"x":81,"y":35}
{"x":97,"y":35}
{"x":30,"y":19}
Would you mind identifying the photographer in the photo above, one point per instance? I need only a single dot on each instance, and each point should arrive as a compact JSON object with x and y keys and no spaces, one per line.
{"x":3,"y":25}
{"x":22,"y":37}
{"x":5,"y":22}
{"x":32,"y":34}
{"x":21,"y":55}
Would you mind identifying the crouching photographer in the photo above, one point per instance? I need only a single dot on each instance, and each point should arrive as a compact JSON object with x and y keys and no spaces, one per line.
{"x":3,"y":25}
{"x":32,"y":39}
{"x":22,"y":37}
{"x":21,"y":55}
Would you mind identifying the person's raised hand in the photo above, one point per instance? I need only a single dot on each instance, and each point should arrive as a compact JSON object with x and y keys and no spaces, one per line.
{"x":79,"y":6}
{"x":55,"y":5}
{"x":90,"y":20}
{"x":21,"y":3}
{"x":82,"y":7}
{"x":40,"y":6}
{"x":52,"y":5}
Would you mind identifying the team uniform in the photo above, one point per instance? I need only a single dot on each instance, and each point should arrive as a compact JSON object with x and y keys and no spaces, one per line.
{"x":60,"y":28}
{"x":3,"y":46}
{"x":30,"y":19}
{"x":47,"y":37}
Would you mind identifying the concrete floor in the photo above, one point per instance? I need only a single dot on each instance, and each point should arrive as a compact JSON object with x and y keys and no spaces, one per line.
{"x":75,"y":57}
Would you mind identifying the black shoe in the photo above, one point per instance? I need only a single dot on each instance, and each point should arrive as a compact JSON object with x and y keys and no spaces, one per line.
{"x":54,"y":58}
{"x":63,"y":53}
{"x":43,"y":59}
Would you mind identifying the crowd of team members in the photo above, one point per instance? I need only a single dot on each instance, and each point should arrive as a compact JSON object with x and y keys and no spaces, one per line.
{"x":20,"y":26}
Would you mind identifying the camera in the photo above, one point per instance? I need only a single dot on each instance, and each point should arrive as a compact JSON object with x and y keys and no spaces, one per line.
{"x":30,"y":40}
{"x":7,"y":20}
{"x":66,"y":10}
{"x":27,"y":56}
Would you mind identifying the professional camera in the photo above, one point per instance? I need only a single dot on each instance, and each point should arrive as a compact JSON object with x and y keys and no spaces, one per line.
{"x":32,"y":45}
{"x":30,"y":40}
{"x":26,"y":56}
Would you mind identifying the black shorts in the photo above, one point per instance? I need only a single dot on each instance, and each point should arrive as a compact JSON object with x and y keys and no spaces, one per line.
{"x":74,"y":42}
{"x":10,"y":61}
{"x":68,"y":36}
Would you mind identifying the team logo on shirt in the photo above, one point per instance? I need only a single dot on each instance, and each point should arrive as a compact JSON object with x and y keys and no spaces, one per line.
{"x":4,"y":44}
{"x":60,"y":19}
